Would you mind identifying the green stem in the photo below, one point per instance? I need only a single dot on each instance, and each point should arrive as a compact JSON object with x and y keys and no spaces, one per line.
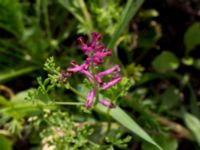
{"x":38,"y":12}
{"x":109,"y":121}
{"x":108,"y":125}
{"x":68,"y":103}
{"x":75,"y":91}
{"x":46,"y":18}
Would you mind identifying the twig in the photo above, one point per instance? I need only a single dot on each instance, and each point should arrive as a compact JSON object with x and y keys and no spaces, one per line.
{"x":181,"y":131}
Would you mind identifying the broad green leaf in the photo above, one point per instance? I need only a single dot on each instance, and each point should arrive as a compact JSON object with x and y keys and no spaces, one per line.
{"x":167,"y":143}
{"x":192,"y":36}
{"x":170,"y":98}
{"x":5,"y":144}
{"x":11,"y":17}
{"x":166,"y":61}
{"x":189,"y":61}
{"x":123,"y":118}
{"x":21,"y":96}
{"x":193,"y":123}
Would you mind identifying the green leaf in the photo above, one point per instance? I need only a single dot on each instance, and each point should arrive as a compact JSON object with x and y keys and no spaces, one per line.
{"x":166,"y":61}
{"x":123,"y":118}
{"x":167,"y":143}
{"x":5,"y":143}
{"x":189,"y":61}
{"x":71,"y":6}
{"x":170,"y":98}
{"x":21,"y":96}
{"x":11,"y":17}
{"x":192,"y":36}
{"x":193,"y":123}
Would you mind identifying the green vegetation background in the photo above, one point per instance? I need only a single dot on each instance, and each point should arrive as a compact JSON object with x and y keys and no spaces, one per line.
{"x":155,"y":42}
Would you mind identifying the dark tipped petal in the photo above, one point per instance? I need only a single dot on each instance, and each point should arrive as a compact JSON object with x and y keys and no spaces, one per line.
{"x":106,"y":103}
{"x":111,"y":83}
{"x":81,"y":40}
{"x":115,"y":68}
{"x":98,"y":78}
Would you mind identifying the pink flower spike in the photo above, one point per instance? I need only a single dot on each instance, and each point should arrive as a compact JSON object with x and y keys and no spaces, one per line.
{"x":90,"y":99}
{"x":106,"y":103}
{"x":109,"y":71}
{"x":111,"y":83}
{"x":75,"y":67}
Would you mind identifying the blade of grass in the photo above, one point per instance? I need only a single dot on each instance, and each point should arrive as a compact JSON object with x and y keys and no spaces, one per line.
{"x":130,"y":10}
{"x":70,"y":7}
{"x":15,"y":73}
{"x":123,"y":118}
{"x":119,"y":115}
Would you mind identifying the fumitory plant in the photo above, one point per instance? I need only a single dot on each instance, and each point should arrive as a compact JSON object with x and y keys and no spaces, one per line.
{"x":101,"y":90}
{"x":98,"y":81}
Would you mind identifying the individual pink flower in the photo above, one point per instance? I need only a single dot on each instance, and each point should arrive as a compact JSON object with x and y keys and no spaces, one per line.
{"x":115,"y":68}
{"x":79,"y":68}
{"x":106,"y":103}
{"x":111,"y":83}
{"x":76,"y":68}
{"x":90,"y":98}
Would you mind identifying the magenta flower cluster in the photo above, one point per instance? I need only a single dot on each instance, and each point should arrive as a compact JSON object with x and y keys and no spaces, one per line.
{"x":95,"y":52}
